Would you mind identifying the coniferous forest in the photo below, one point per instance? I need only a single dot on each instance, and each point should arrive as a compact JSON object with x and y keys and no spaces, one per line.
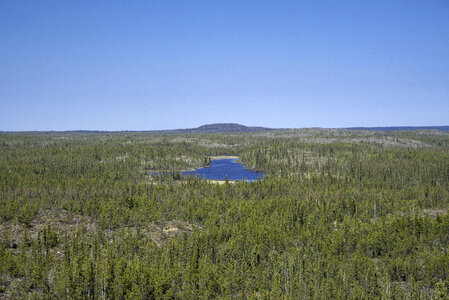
{"x":340,"y":214}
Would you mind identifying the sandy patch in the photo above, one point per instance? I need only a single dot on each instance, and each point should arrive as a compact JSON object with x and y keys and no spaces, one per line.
{"x":221,"y":181}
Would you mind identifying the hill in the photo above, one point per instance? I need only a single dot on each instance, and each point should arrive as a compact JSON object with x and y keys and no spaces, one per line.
{"x":219,"y":127}
{"x":228,"y":127}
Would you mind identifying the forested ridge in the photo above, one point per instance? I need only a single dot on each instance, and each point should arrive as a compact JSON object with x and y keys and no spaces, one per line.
{"x":340,"y":214}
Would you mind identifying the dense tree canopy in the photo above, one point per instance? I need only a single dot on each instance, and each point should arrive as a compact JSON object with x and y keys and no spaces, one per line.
{"x":340,"y":214}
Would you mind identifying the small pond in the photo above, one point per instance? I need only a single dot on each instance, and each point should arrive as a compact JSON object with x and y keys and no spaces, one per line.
{"x":220,"y":168}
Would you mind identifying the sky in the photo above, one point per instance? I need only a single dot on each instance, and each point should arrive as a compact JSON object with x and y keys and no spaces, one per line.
{"x":148,"y":65}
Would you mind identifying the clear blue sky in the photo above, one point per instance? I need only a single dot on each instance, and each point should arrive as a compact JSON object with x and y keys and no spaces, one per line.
{"x":139,"y":65}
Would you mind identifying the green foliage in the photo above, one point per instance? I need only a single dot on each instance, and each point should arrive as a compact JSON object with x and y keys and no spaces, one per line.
{"x":339,"y":215}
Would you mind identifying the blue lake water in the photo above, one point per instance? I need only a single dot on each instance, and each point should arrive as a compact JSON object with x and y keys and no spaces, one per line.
{"x":220,"y":168}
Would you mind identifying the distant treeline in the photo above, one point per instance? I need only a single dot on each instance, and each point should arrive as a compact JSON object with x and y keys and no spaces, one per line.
{"x":396,"y":128}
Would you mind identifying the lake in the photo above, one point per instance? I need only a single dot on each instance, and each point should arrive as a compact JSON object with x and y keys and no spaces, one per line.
{"x":220,"y":168}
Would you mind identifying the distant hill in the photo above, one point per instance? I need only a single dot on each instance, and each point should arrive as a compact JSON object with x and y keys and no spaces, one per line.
{"x":220,"y":127}
{"x":441,"y":128}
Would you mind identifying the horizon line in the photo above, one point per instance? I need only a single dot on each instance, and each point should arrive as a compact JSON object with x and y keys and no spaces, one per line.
{"x":392,"y":127}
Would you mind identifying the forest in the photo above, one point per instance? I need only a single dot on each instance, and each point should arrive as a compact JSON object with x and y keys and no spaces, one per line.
{"x":339,"y":214}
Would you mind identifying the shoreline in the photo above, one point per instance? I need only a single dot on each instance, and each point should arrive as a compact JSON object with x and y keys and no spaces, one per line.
{"x":221,"y":181}
{"x":223,"y":157}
